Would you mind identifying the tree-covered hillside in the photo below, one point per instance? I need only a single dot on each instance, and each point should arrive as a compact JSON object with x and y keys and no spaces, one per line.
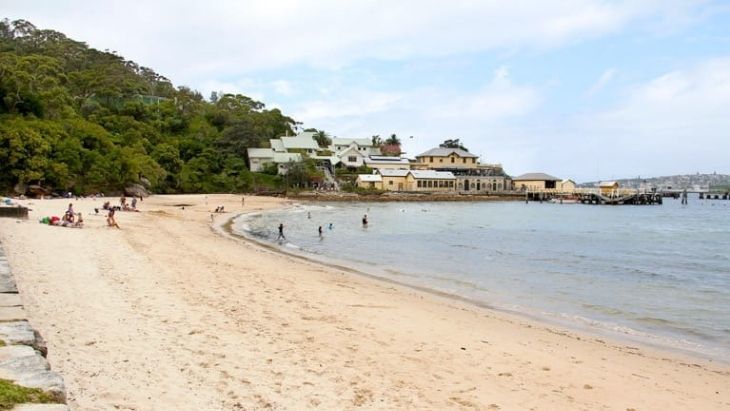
{"x":77,"y":119}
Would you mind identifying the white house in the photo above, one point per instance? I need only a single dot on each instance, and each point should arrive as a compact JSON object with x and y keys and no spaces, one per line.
{"x":283,"y":151}
{"x":363,"y":145}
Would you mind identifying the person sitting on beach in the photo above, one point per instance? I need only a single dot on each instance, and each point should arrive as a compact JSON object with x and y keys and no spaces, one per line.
{"x":79,"y":221}
{"x":106,"y":205}
{"x":110,"y":220}
{"x":134,"y":203}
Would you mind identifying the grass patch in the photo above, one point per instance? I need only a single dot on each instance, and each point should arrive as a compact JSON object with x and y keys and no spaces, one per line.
{"x":12,"y":394}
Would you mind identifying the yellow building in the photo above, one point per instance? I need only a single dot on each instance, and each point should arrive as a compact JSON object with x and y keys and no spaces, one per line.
{"x":536,"y":182}
{"x":445,"y":158}
{"x":608,"y":187}
{"x":417,"y":180}
{"x":567,"y":186}
{"x":371,"y":181}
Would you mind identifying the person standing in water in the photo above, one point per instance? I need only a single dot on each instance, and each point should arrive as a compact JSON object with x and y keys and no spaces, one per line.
{"x":365,"y":220}
{"x":281,"y":232}
{"x":320,"y":231}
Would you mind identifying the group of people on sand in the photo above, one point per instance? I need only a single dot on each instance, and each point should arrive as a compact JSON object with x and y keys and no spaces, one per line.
{"x":69,"y":219}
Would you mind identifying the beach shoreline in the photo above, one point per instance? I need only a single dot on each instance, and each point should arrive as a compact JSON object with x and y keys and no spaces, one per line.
{"x":646,"y":341}
{"x":170,"y":273}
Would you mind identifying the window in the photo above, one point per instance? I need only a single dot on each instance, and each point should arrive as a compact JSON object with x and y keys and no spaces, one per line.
{"x":390,"y":183}
{"x":418,"y":183}
{"x":431,"y":160}
{"x":441,"y":160}
{"x":463,"y":160}
{"x":352,"y":159}
{"x":453,"y":159}
{"x":430,"y":184}
{"x":451,"y":184}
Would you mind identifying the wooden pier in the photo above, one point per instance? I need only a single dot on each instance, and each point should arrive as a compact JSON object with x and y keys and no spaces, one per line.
{"x":636,"y":198}
{"x":595,"y":196}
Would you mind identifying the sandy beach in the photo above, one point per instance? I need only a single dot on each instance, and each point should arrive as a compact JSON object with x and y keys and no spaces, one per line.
{"x":170,"y":313}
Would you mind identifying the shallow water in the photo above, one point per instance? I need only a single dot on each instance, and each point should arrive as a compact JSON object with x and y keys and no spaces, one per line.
{"x":659,"y":274}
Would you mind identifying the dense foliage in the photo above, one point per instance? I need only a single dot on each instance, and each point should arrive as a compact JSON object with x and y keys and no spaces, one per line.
{"x":77,"y":119}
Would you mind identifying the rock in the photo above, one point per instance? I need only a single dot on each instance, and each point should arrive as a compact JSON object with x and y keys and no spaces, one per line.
{"x":21,"y":333}
{"x":145,"y":182}
{"x":20,"y":188}
{"x":12,"y":314}
{"x":136,"y":190}
{"x":26,"y":367}
{"x":41,"y":407}
{"x":7,"y":282}
{"x":10,"y":300}
{"x":37,"y":190}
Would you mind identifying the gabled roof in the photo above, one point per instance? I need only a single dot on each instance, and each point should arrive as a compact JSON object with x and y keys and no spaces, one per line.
{"x":386,"y":172}
{"x":277,"y":145}
{"x":536,"y":177}
{"x":352,"y":148}
{"x":607,"y":184}
{"x":303,"y":140}
{"x":373,"y":178}
{"x":362,"y":142}
{"x":443,"y":152}
{"x":440,"y":175}
{"x":260,"y":153}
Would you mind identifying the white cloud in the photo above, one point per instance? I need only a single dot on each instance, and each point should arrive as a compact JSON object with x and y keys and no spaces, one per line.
{"x":194,"y":41}
{"x":676,"y":122}
{"x":481,"y":118}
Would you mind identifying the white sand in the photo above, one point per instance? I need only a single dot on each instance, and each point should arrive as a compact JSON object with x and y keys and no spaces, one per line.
{"x":168,"y":314}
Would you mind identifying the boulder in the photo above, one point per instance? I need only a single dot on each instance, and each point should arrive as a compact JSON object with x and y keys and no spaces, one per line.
{"x":37,"y":191}
{"x":145,"y":182}
{"x":26,"y":367}
{"x":12,"y":314}
{"x":20,"y":188}
{"x":7,"y":282}
{"x":136,"y":190}
{"x":21,"y":333}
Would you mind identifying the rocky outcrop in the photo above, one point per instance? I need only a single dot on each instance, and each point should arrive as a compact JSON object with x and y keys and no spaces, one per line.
{"x":136,"y":190}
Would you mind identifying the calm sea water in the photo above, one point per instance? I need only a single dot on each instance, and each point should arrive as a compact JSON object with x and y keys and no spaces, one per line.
{"x":659,"y":274}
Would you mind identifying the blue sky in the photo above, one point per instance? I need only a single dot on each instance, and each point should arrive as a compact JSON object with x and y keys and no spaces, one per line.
{"x":581,"y":89}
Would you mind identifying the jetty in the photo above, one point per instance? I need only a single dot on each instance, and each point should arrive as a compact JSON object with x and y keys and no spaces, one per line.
{"x":597,"y":196}
{"x":628,"y":197}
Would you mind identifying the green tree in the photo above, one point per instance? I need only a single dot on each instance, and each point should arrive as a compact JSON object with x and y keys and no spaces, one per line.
{"x":453,"y":143}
